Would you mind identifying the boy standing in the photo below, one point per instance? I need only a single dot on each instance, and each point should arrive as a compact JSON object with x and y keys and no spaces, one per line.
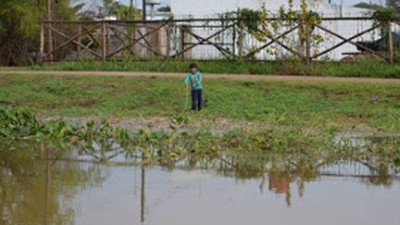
{"x":195,"y":79}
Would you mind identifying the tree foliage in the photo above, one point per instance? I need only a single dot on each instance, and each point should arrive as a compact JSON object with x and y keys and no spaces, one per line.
{"x":365,"y":5}
{"x":393,"y":3}
{"x":20,"y":23}
{"x":164,"y":9}
{"x":287,"y":17}
{"x":123,"y":12}
{"x":20,"y":26}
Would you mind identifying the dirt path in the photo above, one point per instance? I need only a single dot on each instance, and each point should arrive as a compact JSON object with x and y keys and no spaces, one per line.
{"x":210,"y":76}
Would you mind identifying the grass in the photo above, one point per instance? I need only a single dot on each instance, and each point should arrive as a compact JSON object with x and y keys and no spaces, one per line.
{"x":364,"y":68}
{"x":327,"y":107}
{"x":299,"y":121}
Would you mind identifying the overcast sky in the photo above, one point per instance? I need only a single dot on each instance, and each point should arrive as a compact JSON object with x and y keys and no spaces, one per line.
{"x":347,"y":2}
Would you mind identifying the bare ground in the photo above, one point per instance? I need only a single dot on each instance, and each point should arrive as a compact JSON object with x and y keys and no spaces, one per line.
{"x":223,"y":125}
{"x":163,"y":123}
{"x":209,"y":76}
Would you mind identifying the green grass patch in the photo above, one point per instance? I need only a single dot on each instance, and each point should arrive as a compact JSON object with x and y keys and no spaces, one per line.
{"x":363,"y":68}
{"x":328,"y":106}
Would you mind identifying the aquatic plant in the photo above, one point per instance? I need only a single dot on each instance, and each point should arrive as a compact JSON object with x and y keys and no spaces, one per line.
{"x":246,"y":147}
{"x":18,"y":124}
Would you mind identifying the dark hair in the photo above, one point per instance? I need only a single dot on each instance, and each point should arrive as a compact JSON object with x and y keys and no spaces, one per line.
{"x":193,"y":65}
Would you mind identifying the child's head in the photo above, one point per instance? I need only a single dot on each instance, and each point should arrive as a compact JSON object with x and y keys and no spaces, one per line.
{"x":193,"y":67}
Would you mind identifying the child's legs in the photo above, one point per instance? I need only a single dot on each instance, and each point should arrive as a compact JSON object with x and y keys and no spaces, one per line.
{"x":194,"y":99}
{"x":200,"y":99}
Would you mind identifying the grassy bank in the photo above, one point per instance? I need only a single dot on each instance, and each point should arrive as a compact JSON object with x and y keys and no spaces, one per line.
{"x":366,"y":68}
{"x":326,"y":107}
{"x":299,"y":121}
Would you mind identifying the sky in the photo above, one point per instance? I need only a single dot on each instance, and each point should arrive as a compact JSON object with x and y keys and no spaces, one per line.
{"x":347,"y":2}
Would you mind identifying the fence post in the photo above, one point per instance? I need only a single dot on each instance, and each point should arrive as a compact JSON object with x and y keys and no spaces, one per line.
{"x":390,"y":42}
{"x":41,"y":48}
{"x":50,"y":43}
{"x":241,"y":39}
{"x":50,"y":34}
{"x":133,"y":38}
{"x":183,"y":42}
{"x":104,"y":40}
{"x":168,"y":40}
{"x":308,"y":43}
{"x":78,"y":49}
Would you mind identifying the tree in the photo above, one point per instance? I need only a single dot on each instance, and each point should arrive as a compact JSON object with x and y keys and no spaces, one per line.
{"x":107,"y":7}
{"x":123,"y":12}
{"x":365,"y":5}
{"x":164,"y":9}
{"x":20,"y":26}
{"x":393,"y":3}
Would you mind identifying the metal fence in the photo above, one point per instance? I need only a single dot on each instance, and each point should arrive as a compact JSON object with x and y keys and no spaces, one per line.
{"x":212,"y":39}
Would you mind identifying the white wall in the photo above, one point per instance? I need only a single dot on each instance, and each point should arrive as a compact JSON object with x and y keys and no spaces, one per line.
{"x":211,"y":8}
{"x":201,"y":8}
{"x":206,"y":8}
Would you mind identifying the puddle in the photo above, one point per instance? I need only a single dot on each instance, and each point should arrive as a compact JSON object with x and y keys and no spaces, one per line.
{"x":36,"y":191}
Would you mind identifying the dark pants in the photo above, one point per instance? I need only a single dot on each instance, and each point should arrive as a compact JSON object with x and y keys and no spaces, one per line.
{"x":197,"y":99}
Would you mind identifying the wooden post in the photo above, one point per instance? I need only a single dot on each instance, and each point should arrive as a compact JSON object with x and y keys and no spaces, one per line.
{"x":390,"y":42}
{"x":307,"y":43}
{"x":183,"y":42}
{"x":50,"y":35}
{"x":168,"y":40}
{"x":78,"y":47}
{"x":134,"y":29}
{"x":42,"y":43}
{"x":104,"y":40}
{"x":241,"y":39}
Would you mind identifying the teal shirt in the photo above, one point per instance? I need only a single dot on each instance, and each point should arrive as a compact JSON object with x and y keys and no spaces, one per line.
{"x":195,"y":81}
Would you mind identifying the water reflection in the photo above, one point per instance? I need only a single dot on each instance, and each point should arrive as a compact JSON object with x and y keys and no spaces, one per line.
{"x":142,"y":194}
{"x":282,"y":171}
{"x":34,"y":190}
{"x":47,"y":185}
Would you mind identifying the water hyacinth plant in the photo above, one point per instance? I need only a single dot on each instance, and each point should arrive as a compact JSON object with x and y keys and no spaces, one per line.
{"x":169,"y":147}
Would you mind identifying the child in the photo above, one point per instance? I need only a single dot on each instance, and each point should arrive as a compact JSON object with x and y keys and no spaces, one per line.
{"x":195,"y":79}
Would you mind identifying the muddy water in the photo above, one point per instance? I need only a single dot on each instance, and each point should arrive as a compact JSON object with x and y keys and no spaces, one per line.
{"x":36,"y":191}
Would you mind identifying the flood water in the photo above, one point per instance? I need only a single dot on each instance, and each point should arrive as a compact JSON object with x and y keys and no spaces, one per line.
{"x":34,"y":190}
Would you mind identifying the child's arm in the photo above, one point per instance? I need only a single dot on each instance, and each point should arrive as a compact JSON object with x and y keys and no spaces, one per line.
{"x":200,"y":79}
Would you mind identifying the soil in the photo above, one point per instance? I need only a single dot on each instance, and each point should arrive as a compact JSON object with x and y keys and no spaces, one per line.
{"x":163,"y":124}
{"x":209,"y":76}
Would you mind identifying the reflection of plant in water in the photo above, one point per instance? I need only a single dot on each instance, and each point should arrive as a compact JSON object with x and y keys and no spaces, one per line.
{"x":383,"y":178}
{"x":307,"y":172}
{"x":241,"y":153}
{"x":37,"y":192}
{"x":380,"y":171}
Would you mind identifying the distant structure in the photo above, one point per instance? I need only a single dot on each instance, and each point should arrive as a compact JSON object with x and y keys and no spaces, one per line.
{"x":209,"y":8}
{"x":152,"y":4}
{"x":150,"y":11}
{"x":184,"y":9}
